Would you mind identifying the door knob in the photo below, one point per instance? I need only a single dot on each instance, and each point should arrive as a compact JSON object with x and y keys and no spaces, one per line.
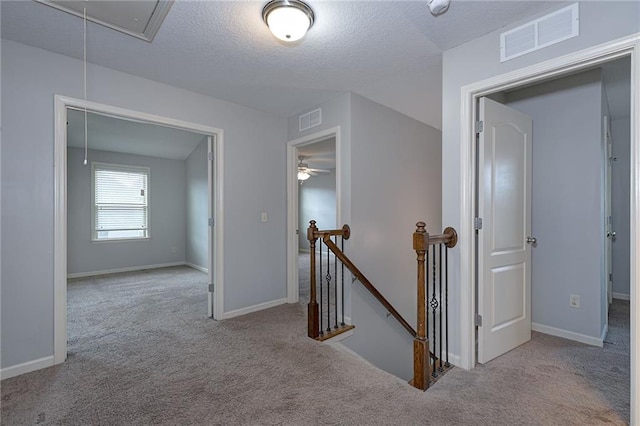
{"x":611,"y":234}
{"x":532,"y":241}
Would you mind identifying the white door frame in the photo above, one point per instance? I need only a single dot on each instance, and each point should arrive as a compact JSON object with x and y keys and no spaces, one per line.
{"x":61,"y":103}
{"x":292,"y":202}
{"x":583,"y":59}
{"x":211,"y":234}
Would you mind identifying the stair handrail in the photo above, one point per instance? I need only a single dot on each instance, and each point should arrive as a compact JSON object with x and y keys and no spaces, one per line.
{"x":367,"y":284}
{"x":421,"y":243}
{"x":313,"y":234}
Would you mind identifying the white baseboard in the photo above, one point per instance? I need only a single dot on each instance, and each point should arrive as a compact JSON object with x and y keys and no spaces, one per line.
{"x":198,"y":268}
{"x":570,"y":335}
{"x":129,"y":269}
{"x":621,"y":296}
{"x":304,"y":250}
{"x":26,"y":367}
{"x":254,"y":308}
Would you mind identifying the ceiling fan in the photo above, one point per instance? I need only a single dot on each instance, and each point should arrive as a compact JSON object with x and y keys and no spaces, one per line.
{"x":305,"y":172}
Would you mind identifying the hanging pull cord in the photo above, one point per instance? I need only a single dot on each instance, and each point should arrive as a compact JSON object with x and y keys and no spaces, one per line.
{"x":84,"y":72}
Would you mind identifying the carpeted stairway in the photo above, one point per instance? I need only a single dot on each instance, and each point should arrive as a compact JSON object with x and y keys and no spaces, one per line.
{"x":142,"y":352}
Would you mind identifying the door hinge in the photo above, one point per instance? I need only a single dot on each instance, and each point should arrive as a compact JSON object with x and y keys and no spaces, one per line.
{"x":610,"y":277}
{"x":479,"y":126}
{"x":477,"y":320}
{"x":211,"y":288}
{"x":211,"y":221}
{"x":211,"y":156}
{"x":477,"y":223}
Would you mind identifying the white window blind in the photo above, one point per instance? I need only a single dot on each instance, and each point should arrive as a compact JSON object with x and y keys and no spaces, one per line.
{"x":120,"y":202}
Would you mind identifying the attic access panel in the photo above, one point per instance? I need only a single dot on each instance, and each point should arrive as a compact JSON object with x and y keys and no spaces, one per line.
{"x":140,"y":19}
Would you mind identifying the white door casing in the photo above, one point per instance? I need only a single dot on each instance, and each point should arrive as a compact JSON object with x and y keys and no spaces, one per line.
{"x":211,"y":218}
{"x":469,"y":94}
{"x":61,"y":103}
{"x":292,"y":201}
{"x":504,"y":245}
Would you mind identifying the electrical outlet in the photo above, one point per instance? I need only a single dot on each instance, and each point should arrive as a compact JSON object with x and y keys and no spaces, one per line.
{"x":574,"y":300}
{"x":174,"y":249}
{"x":264,"y":217}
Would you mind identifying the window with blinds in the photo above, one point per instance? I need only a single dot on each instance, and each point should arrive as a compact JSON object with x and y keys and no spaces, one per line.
{"x":120,"y":202}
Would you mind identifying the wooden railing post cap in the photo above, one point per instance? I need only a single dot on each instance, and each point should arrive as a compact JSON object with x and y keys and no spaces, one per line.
{"x":346,"y":232}
{"x":453,"y":236}
{"x":311,"y":231}
{"x":420,"y":237}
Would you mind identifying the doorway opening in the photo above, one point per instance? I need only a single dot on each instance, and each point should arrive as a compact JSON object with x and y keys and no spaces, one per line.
{"x":316,"y":197}
{"x":316,"y":200}
{"x":568,"y":187}
{"x":146,"y":197}
{"x":581,"y":61}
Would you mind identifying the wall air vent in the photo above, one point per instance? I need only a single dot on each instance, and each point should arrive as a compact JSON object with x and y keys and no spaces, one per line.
{"x":560,"y":25}
{"x":310,"y":119}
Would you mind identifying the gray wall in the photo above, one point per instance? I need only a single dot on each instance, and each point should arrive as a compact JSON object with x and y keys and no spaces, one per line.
{"x":391,"y":165}
{"x":567,"y":201}
{"x":396,"y":182}
{"x":621,"y":203}
{"x":166,"y":215}
{"x":197,"y":207}
{"x":30,"y":79}
{"x":480,"y":59}
{"x":317,"y":201}
{"x":335,"y":112}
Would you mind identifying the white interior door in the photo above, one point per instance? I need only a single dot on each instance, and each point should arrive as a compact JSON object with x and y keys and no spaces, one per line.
{"x":210,"y":245}
{"x":504,"y":241}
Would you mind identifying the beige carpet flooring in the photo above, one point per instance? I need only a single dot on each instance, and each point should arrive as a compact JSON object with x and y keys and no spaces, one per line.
{"x":143,"y":352}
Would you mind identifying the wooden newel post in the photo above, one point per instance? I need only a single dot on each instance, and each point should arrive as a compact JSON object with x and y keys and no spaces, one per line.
{"x":420,"y":342}
{"x":313,"y":320}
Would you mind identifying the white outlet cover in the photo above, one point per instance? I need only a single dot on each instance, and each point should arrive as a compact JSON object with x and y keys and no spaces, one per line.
{"x":574,"y":300}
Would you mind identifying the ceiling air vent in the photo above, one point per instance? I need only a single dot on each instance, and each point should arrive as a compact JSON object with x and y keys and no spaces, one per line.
{"x":560,"y":25}
{"x":310,"y":119}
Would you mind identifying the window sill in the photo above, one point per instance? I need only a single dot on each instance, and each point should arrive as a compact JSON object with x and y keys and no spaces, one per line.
{"x":119,"y":240}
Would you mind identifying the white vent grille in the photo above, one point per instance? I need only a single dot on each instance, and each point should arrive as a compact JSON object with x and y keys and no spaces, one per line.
{"x":310,"y":119}
{"x":560,"y":25}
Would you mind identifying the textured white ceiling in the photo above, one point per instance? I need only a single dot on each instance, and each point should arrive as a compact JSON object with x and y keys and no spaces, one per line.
{"x":389,"y":51}
{"x":130,"y":137}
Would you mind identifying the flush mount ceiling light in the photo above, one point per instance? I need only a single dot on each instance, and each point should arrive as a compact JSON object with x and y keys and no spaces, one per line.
{"x":288,"y":20}
{"x":438,"y":7}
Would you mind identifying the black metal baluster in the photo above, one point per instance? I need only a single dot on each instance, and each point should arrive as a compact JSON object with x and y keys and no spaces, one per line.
{"x":446,"y":302}
{"x":328,"y":290}
{"x":335,"y":286}
{"x":342,"y":286}
{"x":321,"y":292}
{"x":426,"y":294}
{"x":440,"y":297}
{"x":434,"y":306}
